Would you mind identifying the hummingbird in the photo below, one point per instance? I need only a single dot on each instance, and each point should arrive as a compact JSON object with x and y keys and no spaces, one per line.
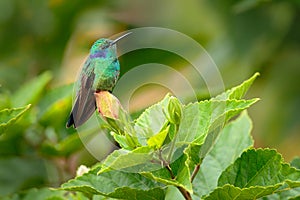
{"x":100,"y":72}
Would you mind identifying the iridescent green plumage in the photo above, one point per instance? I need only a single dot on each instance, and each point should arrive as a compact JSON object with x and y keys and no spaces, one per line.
{"x":99,"y":73}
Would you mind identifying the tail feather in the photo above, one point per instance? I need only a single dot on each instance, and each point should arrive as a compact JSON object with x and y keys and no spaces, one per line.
{"x":82,"y":111}
{"x":70,"y":121}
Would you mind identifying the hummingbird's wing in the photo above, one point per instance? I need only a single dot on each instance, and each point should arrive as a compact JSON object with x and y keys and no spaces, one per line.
{"x":85,"y":102}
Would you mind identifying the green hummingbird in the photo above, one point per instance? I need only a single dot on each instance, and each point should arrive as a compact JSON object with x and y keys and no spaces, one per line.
{"x":100,"y":73}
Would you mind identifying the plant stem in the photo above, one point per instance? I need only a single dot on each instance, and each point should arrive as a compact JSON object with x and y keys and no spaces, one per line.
{"x":185,"y":193}
{"x":173,"y":143}
{"x":170,"y":171}
{"x":196,"y":170}
{"x":166,"y":164}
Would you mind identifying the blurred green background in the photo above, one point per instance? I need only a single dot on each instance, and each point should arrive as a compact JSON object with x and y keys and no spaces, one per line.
{"x":44,"y":42}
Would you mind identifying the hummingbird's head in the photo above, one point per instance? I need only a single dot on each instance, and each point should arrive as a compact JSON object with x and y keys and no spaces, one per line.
{"x":101,"y":44}
{"x":105,"y":44}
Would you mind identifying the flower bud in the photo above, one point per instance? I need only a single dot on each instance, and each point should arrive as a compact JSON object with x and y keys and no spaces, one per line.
{"x":107,"y":104}
{"x":174,"y":110}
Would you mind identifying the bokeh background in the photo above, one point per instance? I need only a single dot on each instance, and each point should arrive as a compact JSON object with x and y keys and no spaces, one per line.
{"x":44,"y":42}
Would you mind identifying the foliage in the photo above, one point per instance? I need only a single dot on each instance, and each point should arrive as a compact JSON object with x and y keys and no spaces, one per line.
{"x":9,"y":116}
{"x":179,"y":147}
{"x":192,"y":151}
{"x":32,"y":135}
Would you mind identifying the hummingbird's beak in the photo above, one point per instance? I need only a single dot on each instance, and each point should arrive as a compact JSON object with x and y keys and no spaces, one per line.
{"x":119,"y":38}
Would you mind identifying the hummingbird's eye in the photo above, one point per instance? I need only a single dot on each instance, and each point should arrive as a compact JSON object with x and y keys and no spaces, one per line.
{"x":106,"y":45}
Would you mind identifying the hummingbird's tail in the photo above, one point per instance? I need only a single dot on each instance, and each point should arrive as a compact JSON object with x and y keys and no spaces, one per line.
{"x":81,"y":112}
{"x":70,"y":121}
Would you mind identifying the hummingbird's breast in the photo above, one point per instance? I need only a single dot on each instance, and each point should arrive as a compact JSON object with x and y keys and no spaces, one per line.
{"x":106,"y":72}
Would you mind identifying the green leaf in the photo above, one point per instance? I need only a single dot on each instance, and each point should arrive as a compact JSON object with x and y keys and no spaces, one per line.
{"x":173,"y":193}
{"x":31,"y":91}
{"x":284,"y":194}
{"x":129,"y":161}
{"x":9,"y":116}
{"x":151,"y":121}
{"x":157,"y":140}
{"x":126,"y":141}
{"x":192,"y":152}
{"x":199,"y":118}
{"x":116,"y":184}
{"x":239,"y":91}
{"x":296,"y":162}
{"x":184,"y":174}
{"x":231,"y":192}
{"x":290,"y":175}
{"x":233,"y":108}
{"x":49,"y":194}
{"x":233,"y":140}
{"x":260,"y":167}
{"x":122,"y":141}
{"x":257,"y":173}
